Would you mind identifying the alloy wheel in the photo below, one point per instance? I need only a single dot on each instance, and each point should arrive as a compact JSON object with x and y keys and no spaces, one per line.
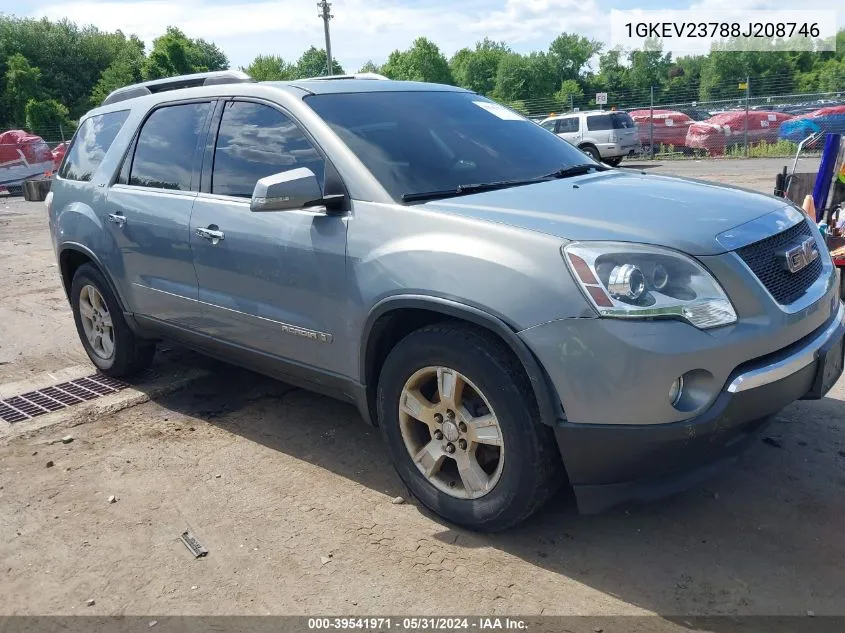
{"x":96,"y":321}
{"x":451,"y":432}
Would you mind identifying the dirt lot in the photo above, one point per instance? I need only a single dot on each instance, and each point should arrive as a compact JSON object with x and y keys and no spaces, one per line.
{"x":291,"y":493}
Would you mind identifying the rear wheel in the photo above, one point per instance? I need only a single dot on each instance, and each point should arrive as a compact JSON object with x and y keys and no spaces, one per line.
{"x":109,"y":342}
{"x":462,"y":426}
{"x":592,"y":152}
{"x":613,"y":162}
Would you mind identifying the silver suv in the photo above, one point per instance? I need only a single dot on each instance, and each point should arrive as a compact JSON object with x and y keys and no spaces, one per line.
{"x":604,"y":135}
{"x":513,"y":316}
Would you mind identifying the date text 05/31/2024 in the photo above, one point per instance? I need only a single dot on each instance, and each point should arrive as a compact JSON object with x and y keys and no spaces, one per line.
{"x":668,"y":30}
{"x":417,"y":624}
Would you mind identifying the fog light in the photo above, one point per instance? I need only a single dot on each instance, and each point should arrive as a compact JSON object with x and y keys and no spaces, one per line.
{"x":626,"y":282}
{"x":675,"y":390}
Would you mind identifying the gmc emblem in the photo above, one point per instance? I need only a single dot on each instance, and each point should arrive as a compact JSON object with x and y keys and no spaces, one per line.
{"x":800,"y":256}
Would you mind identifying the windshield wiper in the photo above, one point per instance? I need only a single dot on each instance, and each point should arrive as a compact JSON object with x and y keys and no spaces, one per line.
{"x":462,"y":190}
{"x":576,"y":170}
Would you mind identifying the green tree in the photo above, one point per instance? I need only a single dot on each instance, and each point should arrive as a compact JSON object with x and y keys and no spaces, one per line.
{"x":47,"y":118}
{"x":647,"y":68}
{"x":477,"y":69}
{"x":369,"y":67}
{"x":207,"y":55}
{"x":22,"y":85}
{"x":525,"y":78}
{"x":270,"y":68}
{"x":176,"y":54}
{"x":771,"y":72}
{"x":684,"y":78}
{"x":831,"y":75}
{"x":125,"y":70}
{"x":71,"y":58}
{"x":570,"y":92}
{"x":612,"y":73}
{"x":569,"y":53}
{"x":314,"y":62}
{"x":422,"y":62}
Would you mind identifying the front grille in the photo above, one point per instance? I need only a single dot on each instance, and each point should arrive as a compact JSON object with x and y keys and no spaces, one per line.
{"x":762,"y":258}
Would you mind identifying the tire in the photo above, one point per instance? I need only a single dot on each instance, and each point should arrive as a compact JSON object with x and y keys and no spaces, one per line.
{"x":527,"y":468}
{"x":613,"y":162}
{"x":129,"y":353}
{"x":592,"y":152}
{"x":842,"y":284}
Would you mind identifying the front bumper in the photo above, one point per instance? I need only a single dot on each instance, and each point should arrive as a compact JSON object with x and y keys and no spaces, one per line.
{"x":612,"y":464}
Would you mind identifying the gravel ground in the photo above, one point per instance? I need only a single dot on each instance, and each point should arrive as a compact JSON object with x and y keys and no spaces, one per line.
{"x":292,"y":494}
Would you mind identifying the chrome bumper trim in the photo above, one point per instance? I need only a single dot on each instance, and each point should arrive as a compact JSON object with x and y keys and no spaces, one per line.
{"x":789,"y":365}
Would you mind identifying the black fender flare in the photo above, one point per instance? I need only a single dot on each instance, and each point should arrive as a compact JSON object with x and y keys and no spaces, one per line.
{"x":550,"y":406}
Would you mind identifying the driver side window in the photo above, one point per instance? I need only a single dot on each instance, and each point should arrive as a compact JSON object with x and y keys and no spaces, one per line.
{"x":255,"y":141}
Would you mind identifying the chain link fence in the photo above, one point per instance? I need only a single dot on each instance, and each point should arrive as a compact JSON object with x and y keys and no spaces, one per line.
{"x":762,"y":119}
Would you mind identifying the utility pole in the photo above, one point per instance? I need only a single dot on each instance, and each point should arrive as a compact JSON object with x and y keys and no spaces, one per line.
{"x":747,"y":97}
{"x":651,"y":125}
{"x":326,"y":16}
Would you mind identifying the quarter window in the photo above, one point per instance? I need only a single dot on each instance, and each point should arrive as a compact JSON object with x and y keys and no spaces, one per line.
{"x":611,"y":121}
{"x":90,"y":145}
{"x":167,"y":146}
{"x":255,"y":141}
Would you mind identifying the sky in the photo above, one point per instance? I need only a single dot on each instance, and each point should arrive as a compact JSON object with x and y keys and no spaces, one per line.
{"x":366,"y":29}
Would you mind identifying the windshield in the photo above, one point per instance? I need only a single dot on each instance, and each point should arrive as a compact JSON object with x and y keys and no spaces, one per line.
{"x":415,"y":142}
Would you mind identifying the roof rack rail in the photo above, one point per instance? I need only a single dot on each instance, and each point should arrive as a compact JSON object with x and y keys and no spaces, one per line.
{"x":175,"y":83}
{"x":352,"y":76}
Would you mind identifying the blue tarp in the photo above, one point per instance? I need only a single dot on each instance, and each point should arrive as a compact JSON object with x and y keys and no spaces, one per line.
{"x":798,"y":129}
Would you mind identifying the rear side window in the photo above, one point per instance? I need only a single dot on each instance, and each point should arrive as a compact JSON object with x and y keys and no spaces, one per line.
{"x":255,"y":141}
{"x":611,"y":121}
{"x":568,"y":125}
{"x":167,"y":147}
{"x":90,"y":145}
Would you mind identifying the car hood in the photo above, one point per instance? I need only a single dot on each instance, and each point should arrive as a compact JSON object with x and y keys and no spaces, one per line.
{"x":678,"y":213}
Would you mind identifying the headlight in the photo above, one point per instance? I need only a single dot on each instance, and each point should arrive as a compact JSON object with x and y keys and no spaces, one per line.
{"x":635,"y":281}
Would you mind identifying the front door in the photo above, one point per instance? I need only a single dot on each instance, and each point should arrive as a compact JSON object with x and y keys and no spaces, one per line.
{"x":149,"y":212}
{"x":271,"y":282}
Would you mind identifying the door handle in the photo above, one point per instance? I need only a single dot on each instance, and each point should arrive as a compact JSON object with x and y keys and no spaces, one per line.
{"x":214,"y":235}
{"x":117,"y":218}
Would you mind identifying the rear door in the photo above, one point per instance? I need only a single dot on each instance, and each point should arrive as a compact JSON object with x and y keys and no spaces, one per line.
{"x":624,"y":129}
{"x":272,"y":282}
{"x":612,"y":128}
{"x":149,"y":212}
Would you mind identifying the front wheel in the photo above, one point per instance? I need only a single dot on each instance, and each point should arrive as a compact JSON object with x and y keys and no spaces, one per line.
{"x":613,"y":162}
{"x":462,"y":426}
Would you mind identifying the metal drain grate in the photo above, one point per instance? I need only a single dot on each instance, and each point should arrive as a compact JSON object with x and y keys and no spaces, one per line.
{"x":66,"y":394}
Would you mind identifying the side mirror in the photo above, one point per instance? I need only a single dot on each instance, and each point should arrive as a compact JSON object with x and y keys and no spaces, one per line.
{"x":293,"y":189}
